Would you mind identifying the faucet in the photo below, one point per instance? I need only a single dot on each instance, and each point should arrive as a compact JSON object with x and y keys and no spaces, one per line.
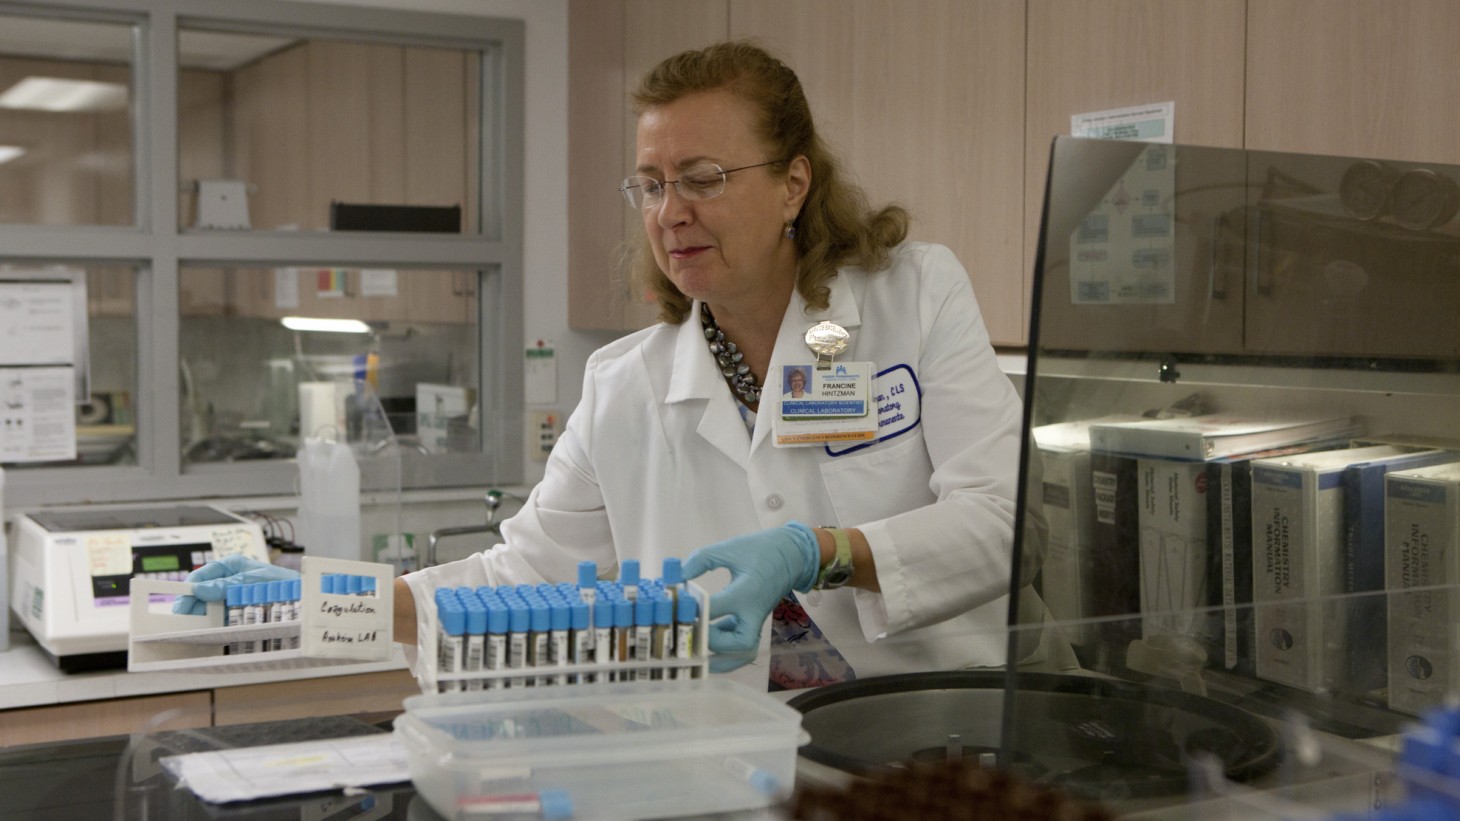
{"x":493,"y":499}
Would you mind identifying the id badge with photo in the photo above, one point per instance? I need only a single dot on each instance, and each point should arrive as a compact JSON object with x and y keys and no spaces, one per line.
{"x":825,"y":403}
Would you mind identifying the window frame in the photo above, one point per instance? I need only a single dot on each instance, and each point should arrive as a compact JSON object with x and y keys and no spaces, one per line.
{"x":158,"y":248}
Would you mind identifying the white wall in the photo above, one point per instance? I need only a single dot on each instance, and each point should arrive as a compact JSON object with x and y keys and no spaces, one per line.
{"x":545,"y":253}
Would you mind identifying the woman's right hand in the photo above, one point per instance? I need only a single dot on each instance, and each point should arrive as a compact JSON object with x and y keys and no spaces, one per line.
{"x":212,"y":580}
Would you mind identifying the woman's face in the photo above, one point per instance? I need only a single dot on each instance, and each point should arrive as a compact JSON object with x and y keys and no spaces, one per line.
{"x":730,"y":250}
{"x":797,"y":380}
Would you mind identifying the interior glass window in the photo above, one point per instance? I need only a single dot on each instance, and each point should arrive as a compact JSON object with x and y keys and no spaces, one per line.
{"x":66,"y":111}
{"x":312,"y":132}
{"x":271,"y":356}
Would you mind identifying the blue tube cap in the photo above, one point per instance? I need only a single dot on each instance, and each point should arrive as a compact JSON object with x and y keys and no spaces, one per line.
{"x":689,"y":609}
{"x":644,"y":610}
{"x":673,"y":571}
{"x":542,"y":617}
{"x":561,"y":615}
{"x":555,"y":805}
{"x":623,"y":613}
{"x":629,"y":571}
{"x":663,"y":611}
{"x":498,"y":617}
{"x":453,"y":619}
{"x":587,"y":574}
{"x":476,"y":618}
{"x":603,"y":613}
{"x":234,"y":595}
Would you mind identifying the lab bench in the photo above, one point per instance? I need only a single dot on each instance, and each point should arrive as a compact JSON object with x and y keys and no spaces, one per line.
{"x":39,"y":703}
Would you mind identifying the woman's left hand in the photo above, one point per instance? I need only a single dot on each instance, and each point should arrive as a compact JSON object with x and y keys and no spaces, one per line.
{"x":764,"y":567}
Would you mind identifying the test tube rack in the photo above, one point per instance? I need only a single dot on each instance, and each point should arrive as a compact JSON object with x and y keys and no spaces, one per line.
{"x":696,"y":666}
{"x":332,"y":628}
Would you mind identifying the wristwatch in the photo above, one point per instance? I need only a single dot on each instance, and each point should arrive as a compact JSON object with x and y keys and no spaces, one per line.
{"x":838,"y":571}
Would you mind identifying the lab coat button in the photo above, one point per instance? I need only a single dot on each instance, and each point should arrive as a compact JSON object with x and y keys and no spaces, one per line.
{"x":774,"y":501}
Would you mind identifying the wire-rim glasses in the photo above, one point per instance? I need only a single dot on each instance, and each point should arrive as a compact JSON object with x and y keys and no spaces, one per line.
{"x":699,"y":182}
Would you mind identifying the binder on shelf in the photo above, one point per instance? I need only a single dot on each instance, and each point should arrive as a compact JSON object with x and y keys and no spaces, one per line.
{"x":1215,"y":436}
{"x":1299,"y":569}
{"x":1422,"y":569}
{"x":1065,"y":577}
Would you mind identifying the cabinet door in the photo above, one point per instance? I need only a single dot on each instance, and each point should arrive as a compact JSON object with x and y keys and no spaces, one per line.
{"x":1092,"y":55}
{"x":612,"y":43}
{"x":925,"y":109}
{"x":1358,"y":78}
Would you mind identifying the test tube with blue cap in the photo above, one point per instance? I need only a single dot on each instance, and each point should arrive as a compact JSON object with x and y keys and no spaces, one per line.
{"x":548,"y":805}
{"x":623,"y":626}
{"x":643,"y":634}
{"x":476,"y":635}
{"x":296,"y":610}
{"x":275,"y":615}
{"x":233,"y":598}
{"x":663,"y":638}
{"x":602,"y":637}
{"x":453,"y":629}
{"x":540,"y":625}
{"x":561,"y":617}
{"x":519,"y":618}
{"x":628,"y":576}
{"x":497,"y":622}
{"x":580,"y":636}
{"x":587,"y":581}
{"x":687,"y":611}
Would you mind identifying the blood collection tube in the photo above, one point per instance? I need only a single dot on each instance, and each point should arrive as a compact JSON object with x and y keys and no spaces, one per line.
{"x":662,"y":641}
{"x":628,"y":576}
{"x":453,"y":627}
{"x":537,"y":648}
{"x":623,"y":626}
{"x":233,"y":597}
{"x":687,"y":612}
{"x":587,"y":581}
{"x":558,"y":637}
{"x":476,"y":636}
{"x":296,"y":610}
{"x":496,"y":654}
{"x":518,"y":620}
{"x":602,"y":638}
{"x":253,"y":612}
{"x":673,"y":577}
{"x":275,"y":594}
{"x":643,"y":634}
{"x":579,"y":637}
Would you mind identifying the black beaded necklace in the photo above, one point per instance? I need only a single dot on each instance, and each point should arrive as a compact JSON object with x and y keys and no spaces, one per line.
{"x":729,"y":358}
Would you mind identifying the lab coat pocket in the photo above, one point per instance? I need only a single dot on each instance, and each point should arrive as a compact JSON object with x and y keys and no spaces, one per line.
{"x":882,"y":482}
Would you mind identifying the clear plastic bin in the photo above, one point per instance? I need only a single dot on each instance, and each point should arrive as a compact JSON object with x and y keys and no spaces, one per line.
{"x":650,"y":749}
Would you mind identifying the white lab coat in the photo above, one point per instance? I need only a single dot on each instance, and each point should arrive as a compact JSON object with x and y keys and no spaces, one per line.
{"x":656,"y":461}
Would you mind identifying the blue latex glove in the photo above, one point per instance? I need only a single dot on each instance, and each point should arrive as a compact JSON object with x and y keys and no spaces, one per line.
{"x":764,"y":567}
{"x":212,"y":580}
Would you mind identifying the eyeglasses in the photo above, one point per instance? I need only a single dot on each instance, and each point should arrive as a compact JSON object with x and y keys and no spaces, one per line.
{"x":700,"y":182}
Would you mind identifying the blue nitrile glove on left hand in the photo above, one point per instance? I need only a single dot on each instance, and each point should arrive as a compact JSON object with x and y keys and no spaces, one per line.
{"x":212,"y":580}
{"x":764,"y":567}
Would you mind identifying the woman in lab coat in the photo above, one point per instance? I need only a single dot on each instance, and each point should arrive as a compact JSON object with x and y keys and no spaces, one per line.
{"x":753,"y":236}
{"x":746,"y":214}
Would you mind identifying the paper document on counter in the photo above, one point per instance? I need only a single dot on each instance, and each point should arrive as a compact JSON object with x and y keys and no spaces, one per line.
{"x":248,"y":773}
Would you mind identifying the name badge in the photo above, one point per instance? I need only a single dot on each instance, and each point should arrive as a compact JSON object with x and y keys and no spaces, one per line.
{"x":899,"y":404}
{"x":826,"y":403}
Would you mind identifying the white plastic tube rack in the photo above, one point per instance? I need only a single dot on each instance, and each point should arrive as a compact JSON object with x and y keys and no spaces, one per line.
{"x":696,"y":666}
{"x":332,"y":628}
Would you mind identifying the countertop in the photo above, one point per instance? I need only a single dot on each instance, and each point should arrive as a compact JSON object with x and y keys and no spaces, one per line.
{"x":28,"y":678}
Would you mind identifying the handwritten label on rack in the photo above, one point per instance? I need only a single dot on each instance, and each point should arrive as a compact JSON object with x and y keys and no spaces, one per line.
{"x":228,"y":541}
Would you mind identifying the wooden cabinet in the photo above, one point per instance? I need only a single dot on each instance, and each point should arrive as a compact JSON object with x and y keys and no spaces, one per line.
{"x":1092,"y":55}
{"x":1364,"y":78}
{"x":610,"y":44}
{"x":92,"y":719}
{"x":925,"y":109}
{"x":332,"y":696}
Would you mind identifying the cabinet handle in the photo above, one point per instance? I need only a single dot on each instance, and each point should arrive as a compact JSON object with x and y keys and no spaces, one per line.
{"x":1263,"y":254}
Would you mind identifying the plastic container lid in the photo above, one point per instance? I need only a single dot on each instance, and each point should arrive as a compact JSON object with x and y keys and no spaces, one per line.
{"x":673,"y":571}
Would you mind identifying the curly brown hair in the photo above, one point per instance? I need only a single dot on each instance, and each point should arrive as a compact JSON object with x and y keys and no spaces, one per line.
{"x":835,"y":227}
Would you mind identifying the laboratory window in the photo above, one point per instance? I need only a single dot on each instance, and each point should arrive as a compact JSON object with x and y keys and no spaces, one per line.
{"x":321,"y":134}
{"x":66,"y":108}
{"x":272,"y":356}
